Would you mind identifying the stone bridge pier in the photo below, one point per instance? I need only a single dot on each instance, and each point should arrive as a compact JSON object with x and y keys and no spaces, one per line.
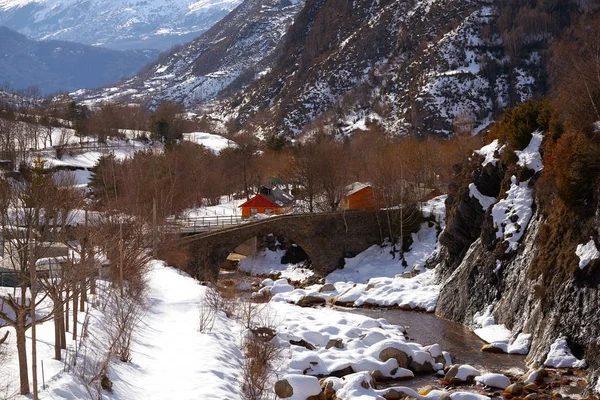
{"x":326,"y":238}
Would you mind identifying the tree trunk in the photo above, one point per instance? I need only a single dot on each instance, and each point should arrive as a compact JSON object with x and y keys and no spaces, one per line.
{"x":83,"y":295}
{"x":22,"y":354}
{"x":58,"y":328}
{"x":75,"y":304}
{"x":67,"y":313}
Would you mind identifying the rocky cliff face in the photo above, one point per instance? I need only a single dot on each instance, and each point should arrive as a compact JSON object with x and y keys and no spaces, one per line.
{"x":527,"y":297}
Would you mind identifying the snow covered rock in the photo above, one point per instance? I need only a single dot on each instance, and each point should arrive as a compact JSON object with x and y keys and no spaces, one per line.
{"x":560,"y":356}
{"x":397,"y":354}
{"x":459,"y":374}
{"x":493,"y":380}
{"x":297,"y":387}
{"x":310,"y":300}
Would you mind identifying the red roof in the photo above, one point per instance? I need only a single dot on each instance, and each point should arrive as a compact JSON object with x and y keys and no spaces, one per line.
{"x":260,"y":201}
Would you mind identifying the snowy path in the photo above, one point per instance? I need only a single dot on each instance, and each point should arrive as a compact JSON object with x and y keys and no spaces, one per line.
{"x":171,"y":359}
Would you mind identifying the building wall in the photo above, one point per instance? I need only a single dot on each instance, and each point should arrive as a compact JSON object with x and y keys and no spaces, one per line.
{"x":247,"y":211}
{"x":362,"y":200}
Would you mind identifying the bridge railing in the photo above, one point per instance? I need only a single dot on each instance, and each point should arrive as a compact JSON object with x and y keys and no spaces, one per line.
{"x":203,"y":224}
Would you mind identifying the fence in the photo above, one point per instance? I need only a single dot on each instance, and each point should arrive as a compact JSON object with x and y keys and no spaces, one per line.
{"x":203,"y":224}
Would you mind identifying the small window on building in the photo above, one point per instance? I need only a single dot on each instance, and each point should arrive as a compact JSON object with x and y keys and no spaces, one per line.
{"x":253,"y":211}
{"x":268,"y":211}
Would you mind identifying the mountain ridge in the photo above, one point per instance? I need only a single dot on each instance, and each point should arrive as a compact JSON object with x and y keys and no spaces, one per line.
{"x":120,"y":25}
{"x":61,"y":66}
{"x":230,"y":54}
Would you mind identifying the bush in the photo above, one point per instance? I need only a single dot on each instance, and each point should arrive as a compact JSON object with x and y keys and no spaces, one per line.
{"x":572,"y":169}
{"x":518,"y":123}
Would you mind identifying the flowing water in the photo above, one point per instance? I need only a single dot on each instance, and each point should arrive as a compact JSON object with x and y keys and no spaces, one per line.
{"x":453,"y":337}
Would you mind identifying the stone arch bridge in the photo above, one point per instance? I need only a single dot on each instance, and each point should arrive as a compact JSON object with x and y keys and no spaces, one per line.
{"x":327,"y":238}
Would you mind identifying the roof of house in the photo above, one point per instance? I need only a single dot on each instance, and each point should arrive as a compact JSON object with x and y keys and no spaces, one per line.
{"x":260,"y":200}
{"x":270,"y":197}
{"x":355,"y":188}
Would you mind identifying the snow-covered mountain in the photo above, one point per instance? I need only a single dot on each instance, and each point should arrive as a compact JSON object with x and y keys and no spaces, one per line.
{"x":117,"y":24}
{"x":414,"y":66}
{"x":235,"y":51}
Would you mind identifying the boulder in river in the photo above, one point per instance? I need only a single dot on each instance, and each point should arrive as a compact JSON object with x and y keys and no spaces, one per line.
{"x":310,"y":300}
{"x":400,"y":356}
{"x":514,"y":390}
{"x":459,"y":374}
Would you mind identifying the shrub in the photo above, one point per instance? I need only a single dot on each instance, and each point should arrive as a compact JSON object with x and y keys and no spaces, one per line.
{"x":572,"y":168}
{"x":518,"y":123}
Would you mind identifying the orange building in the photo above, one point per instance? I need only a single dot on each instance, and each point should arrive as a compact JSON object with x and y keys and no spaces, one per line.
{"x":267,"y":201}
{"x":359,"y":196}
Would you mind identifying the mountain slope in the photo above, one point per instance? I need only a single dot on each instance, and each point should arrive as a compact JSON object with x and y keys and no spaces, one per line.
{"x":415,"y":66}
{"x":117,"y":24}
{"x":55,"y":65}
{"x":232,"y":52}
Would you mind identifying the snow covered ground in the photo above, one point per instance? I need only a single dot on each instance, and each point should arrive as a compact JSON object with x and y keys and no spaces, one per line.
{"x":268,"y":262}
{"x":211,"y":141}
{"x":171,"y":359}
{"x":227,"y":207}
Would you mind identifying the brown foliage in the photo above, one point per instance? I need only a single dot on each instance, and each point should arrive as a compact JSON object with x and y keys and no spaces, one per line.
{"x":571,"y":169}
{"x":575,"y":67}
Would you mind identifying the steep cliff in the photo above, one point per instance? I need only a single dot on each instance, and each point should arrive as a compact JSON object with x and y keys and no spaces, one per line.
{"x":536,"y":284}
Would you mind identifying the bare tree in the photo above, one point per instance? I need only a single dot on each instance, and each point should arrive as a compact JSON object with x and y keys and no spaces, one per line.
{"x":22,"y":223}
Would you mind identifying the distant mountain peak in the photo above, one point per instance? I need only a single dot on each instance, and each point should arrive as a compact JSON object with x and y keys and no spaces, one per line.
{"x":117,"y":24}
{"x":232,"y":53}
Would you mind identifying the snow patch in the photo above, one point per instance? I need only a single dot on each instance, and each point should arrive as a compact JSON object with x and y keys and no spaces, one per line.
{"x":560,"y":356}
{"x":489,"y":152}
{"x":485,"y":201}
{"x":512,"y":214}
{"x":587,"y":253}
{"x":530,"y":157}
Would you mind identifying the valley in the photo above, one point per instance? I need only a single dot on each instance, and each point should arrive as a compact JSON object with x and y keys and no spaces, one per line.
{"x":300,"y":199}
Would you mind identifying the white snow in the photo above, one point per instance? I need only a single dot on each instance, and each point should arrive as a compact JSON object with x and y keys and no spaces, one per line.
{"x":587,"y":253}
{"x":465,"y":371}
{"x":268,"y":262}
{"x":493,"y":380}
{"x":170,"y":357}
{"x":226,"y":207}
{"x":378,"y":261}
{"x":215,"y":143}
{"x":488,"y":151}
{"x":485,"y":201}
{"x":520,"y":345}
{"x":494,"y":334}
{"x":560,"y":356}
{"x":303,"y":386}
{"x":512,"y":214}
{"x":530,"y":157}
{"x":499,"y":336}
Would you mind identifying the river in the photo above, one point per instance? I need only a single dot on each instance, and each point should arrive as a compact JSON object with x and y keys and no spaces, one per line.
{"x":457,"y":339}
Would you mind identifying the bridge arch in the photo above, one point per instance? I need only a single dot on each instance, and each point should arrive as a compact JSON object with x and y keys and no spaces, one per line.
{"x":326,"y":238}
{"x":221,"y":255}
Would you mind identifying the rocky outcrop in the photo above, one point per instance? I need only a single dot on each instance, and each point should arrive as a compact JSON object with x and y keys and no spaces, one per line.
{"x":538,"y":301}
